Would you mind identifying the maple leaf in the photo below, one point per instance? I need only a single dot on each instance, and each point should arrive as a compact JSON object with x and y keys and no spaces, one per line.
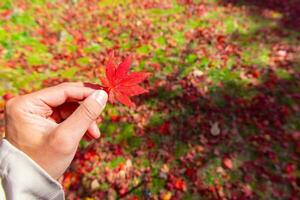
{"x":120,"y":84}
{"x":180,"y":184}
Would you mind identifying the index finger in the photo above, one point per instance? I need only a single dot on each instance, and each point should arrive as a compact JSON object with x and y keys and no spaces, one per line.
{"x":59,"y":94}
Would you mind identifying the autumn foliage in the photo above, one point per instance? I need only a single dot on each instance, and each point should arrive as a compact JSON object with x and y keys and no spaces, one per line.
{"x":217,"y":119}
{"x":119,"y":84}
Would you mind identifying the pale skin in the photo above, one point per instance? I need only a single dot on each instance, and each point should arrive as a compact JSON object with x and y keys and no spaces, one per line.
{"x":48,"y":124}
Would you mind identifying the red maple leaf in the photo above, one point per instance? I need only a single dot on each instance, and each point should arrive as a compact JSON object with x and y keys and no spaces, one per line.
{"x":180,"y":184}
{"x":120,"y":84}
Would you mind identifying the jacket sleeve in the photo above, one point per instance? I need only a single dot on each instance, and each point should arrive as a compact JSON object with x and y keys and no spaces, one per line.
{"x":23,"y":179}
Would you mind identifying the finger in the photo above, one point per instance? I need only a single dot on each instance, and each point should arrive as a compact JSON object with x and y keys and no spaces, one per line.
{"x":57,"y":95}
{"x":81,"y":119}
{"x":67,"y":109}
{"x":94,"y":131}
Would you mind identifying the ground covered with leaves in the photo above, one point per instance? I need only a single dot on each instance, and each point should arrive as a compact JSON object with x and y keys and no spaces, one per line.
{"x":221,"y":119}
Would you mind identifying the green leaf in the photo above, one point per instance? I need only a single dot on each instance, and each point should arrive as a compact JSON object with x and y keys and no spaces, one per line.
{"x":180,"y":149}
{"x":38,"y":59}
{"x":230,"y":25}
{"x":109,"y":128}
{"x":103,"y":31}
{"x":104,"y":186}
{"x":186,"y":71}
{"x":134,"y":143}
{"x":175,"y":9}
{"x":3,"y":35}
{"x":6,"y":4}
{"x":93,"y":48}
{"x":157,"y":185}
{"x":23,"y":19}
{"x":125,"y":45}
{"x":107,"y":43}
{"x":191,"y":58}
{"x":161,"y":41}
{"x":124,"y":35}
{"x":189,"y":196}
{"x":282,"y":73}
{"x":126,"y":133}
{"x":231,"y":62}
{"x":251,"y":55}
{"x":217,"y":75}
{"x":167,"y":70}
{"x":144,"y":49}
{"x":116,"y":162}
{"x":141,"y":65}
{"x":156,"y":119}
{"x":179,"y":38}
{"x":83,"y":61}
{"x":83,"y":144}
{"x":204,"y":63}
{"x":106,"y":3}
{"x":69,"y":73}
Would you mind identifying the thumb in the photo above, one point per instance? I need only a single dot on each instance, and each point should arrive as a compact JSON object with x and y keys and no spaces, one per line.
{"x":79,"y":121}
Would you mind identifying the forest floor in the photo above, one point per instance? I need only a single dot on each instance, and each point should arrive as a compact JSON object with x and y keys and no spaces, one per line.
{"x":221,"y":120}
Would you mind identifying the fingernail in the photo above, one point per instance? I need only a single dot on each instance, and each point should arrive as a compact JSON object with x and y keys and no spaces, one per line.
{"x":100,"y":96}
{"x":96,"y":131}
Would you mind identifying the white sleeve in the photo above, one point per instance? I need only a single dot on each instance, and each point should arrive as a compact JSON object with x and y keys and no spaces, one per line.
{"x":23,"y":179}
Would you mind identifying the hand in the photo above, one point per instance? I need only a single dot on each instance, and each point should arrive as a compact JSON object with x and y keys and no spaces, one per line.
{"x":48,"y":124}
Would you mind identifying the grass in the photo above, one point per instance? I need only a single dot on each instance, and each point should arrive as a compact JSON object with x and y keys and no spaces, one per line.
{"x":159,"y":36}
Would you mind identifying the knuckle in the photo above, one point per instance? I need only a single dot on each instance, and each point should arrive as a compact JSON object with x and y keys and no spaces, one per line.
{"x":89,"y":111}
{"x":11,"y":105}
{"x":78,"y":83}
{"x":64,"y":84}
{"x":67,"y":84}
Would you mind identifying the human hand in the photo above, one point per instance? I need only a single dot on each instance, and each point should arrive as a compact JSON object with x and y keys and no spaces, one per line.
{"x":48,"y":124}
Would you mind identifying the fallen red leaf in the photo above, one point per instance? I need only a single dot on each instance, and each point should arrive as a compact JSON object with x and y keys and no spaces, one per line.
{"x":90,"y":155}
{"x":191,"y":173}
{"x":120,"y":84}
{"x":180,"y":184}
{"x":7,"y":96}
{"x":115,"y":118}
{"x":289,"y":168}
{"x":164,"y":129}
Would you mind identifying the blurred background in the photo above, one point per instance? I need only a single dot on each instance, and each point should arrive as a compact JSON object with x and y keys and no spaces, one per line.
{"x":221,"y":120}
